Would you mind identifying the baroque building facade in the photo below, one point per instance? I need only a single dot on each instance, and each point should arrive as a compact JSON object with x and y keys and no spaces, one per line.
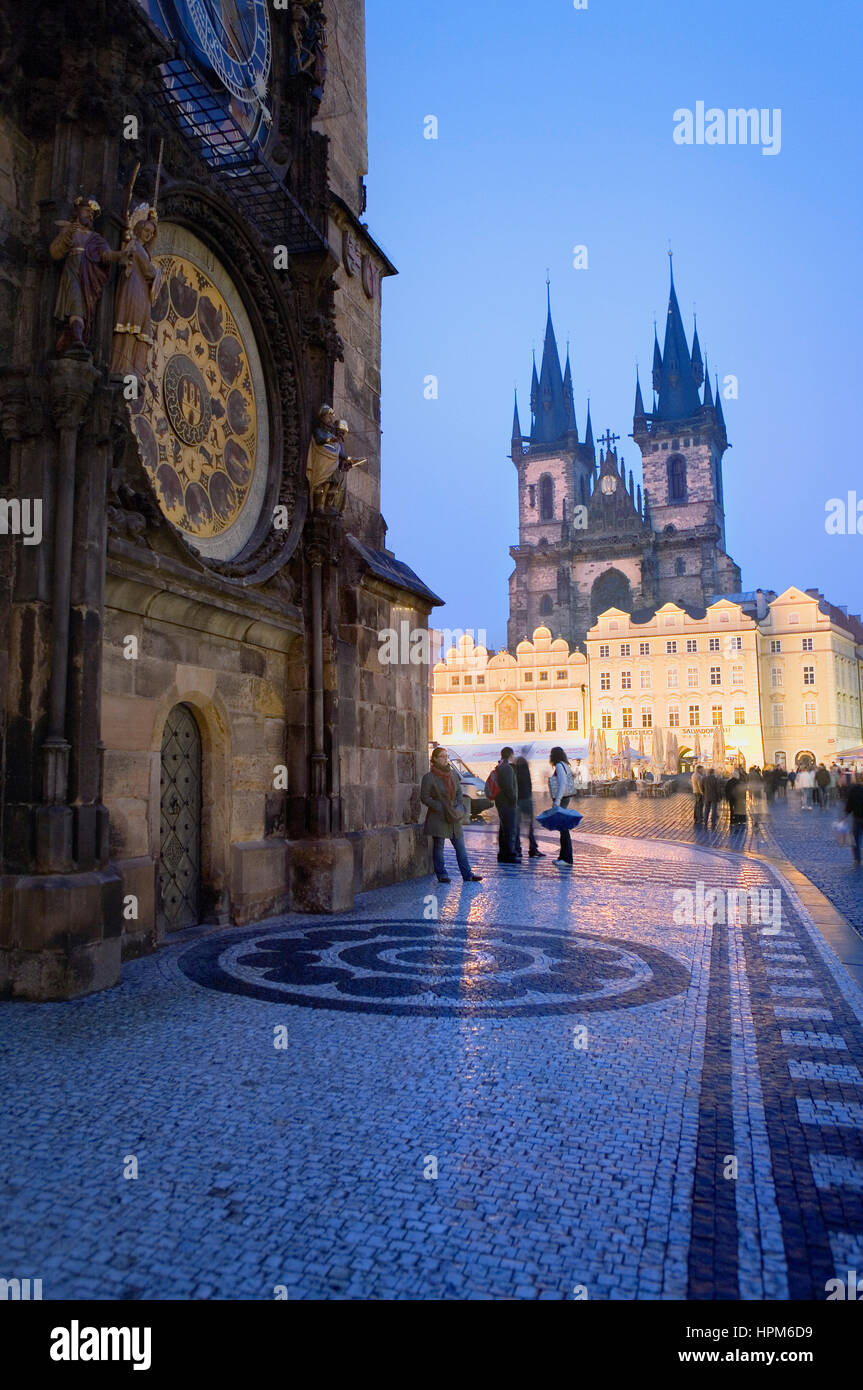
{"x":589,"y":537}
{"x":781,"y":674}
{"x":195,"y":723}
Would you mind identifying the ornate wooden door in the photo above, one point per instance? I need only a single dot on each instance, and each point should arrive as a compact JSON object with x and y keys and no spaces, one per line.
{"x":180,"y":851}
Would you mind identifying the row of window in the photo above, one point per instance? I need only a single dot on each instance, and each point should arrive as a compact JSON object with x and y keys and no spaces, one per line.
{"x":777,"y":676}
{"x":467,"y":723}
{"x":717,"y":716}
{"x":714,"y":644}
{"x":672,"y":678}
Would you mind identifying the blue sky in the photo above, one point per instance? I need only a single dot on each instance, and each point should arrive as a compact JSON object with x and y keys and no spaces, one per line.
{"x":556,"y":130}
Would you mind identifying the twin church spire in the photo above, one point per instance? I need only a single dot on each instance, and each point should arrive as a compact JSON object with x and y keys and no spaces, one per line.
{"x":552,"y":401}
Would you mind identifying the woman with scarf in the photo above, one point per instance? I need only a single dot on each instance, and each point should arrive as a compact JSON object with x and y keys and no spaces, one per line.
{"x":441,"y":793}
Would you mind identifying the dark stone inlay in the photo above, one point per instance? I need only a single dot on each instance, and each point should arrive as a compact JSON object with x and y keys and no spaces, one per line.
{"x":392,"y":967}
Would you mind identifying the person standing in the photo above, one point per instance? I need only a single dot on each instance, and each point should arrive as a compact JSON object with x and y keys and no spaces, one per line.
{"x":822,"y":784}
{"x":757,"y":798}
{"x":805,"y":780}
{"x":711,"y":798}
{"x":502,"y":787}
{"x":854,"y":812}
{"x":525,"y":808}
{"x":698,"y":791}
{"x":561,"y":785}
{"x":440,"y":792}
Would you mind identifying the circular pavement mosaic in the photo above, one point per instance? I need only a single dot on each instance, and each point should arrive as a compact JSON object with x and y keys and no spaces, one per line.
{"x":440,"y":969}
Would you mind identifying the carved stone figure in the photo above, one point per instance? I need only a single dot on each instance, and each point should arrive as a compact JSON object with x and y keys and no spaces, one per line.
{"x":137,"y":290}
{"x":309,"y":42}
{"x":86,"y":258}
{"x":329,"y":463}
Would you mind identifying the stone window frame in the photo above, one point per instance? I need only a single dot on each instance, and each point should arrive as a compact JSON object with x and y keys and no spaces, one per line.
{"x":626,"y":680}
{"x":446,"y":724}
{"x":741,"y":710}
{"x":714,"y":709}
{"x":626,"y":717}
{"x":716,"y":675}
{"x":808,"y":675}
{"x":673,"y":713}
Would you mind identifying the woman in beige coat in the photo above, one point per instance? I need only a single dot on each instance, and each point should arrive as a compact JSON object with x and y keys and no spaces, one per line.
{"x":441,"y":794}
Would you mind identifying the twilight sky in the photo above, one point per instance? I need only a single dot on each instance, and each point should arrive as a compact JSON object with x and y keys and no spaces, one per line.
{"x":556,"y":130}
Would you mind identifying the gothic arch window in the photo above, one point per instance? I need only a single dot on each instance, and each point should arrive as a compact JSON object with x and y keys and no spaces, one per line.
{"x":611,"y":590}
{"x":676,"y":468}
{"x":546,"y":607}
{"x":680,"y":567}
{"x":546,"y":498}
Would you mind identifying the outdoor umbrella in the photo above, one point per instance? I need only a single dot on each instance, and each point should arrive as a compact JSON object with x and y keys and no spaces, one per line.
{"x":627,"y":751}
{"x":719,"y":746}
{"x":591,"y":756}
{"x":671,"y":754}
{"x":658,"y":750}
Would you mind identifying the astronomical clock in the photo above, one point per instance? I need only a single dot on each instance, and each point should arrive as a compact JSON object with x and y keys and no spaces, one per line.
{"x":202,"y":420}
{"x":219,"y":83}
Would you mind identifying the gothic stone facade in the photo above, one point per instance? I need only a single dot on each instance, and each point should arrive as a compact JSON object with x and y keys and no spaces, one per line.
{"x":589,"y":539}
{"x":195,"y":724}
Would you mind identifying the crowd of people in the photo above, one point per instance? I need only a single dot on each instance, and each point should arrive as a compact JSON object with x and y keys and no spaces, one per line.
{"x":746,"y":795}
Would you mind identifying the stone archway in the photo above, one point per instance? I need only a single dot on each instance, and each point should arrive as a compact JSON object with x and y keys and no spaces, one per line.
{"x":611,"y":590}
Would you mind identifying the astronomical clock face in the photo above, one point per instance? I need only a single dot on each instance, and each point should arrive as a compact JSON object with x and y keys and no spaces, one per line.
{"x":219,"y":84}
{"x":201,"y":421}
{"x":608,"y":484}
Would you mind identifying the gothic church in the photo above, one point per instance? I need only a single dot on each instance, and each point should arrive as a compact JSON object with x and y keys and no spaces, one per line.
{"x":588,"y":538}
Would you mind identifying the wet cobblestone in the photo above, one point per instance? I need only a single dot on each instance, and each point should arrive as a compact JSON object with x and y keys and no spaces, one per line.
{"x":607,"y":1098}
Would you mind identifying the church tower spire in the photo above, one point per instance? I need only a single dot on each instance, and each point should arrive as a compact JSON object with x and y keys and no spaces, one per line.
{"x":549,"y":421}
{"x":678,"y":393}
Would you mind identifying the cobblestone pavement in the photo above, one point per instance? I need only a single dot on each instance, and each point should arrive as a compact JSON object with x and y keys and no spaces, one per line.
{"x":560,"y":1086}
{"x":805,"y":838}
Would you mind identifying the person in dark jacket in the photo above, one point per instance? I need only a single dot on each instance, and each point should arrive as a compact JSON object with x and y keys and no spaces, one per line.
{"x":822,"y":784}
{"x":506,"y":805}
{"x":711,"y":798}
{"x":441,"y":793}
{"x":525,"y":807}
{"x":854,"y":809}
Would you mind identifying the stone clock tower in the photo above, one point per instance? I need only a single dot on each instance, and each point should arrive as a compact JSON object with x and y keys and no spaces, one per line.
{"x":195,"y":724}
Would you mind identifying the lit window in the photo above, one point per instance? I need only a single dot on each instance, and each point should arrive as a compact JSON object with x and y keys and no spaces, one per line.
{"x":530,"y":723}
{"x":775,"y":676}
{"x":692,"y":677}
{"x":467,"y":723}
{"x":810,"y":712}
{"x":808,"y":644}
{"x":780,"y":758}
{"x":626,"y":717}
{"x":468,"y":680}
{"x":528,"y":676}
{"x":715,"y":675}
{"x":571,"y":720}
{"x":673,"y":717}
{"x":672,"y":678}
{"x":808,"y":675}
{"x":646,"y":678}
{"x":647,"y":719}
{"x":739,"y":714}
{"x":488,"y":723}
{"x":456,"y":680}
{"x":626,"y":680}
{"x":604,"y":649}
{"x":625,"y":649}
{"x":550,"y":721}
{"x":606,"y":719}
{"x":716,"y":714}
{"x":446,"y":724}
{"x":692,"y":644}
{"x":714,"y":644}
{"x":694,"y":716}
{"x":644,"y":649}
{"x":737,"y":675}
{"x":605,"y":680}
{"x":776,"y":644}
{"x":671,"y":649}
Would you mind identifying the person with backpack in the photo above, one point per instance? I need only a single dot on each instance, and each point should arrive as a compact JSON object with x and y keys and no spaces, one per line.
{"x":561,"y":786}
{"x":711,"y":791}
{"x":525,"y":808}
{"x":502,"y":786}
{"x":441,"y":793}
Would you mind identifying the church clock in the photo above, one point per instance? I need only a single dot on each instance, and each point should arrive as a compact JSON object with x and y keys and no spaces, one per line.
{"x":202,"y":420}
{"x":219,"y":84}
